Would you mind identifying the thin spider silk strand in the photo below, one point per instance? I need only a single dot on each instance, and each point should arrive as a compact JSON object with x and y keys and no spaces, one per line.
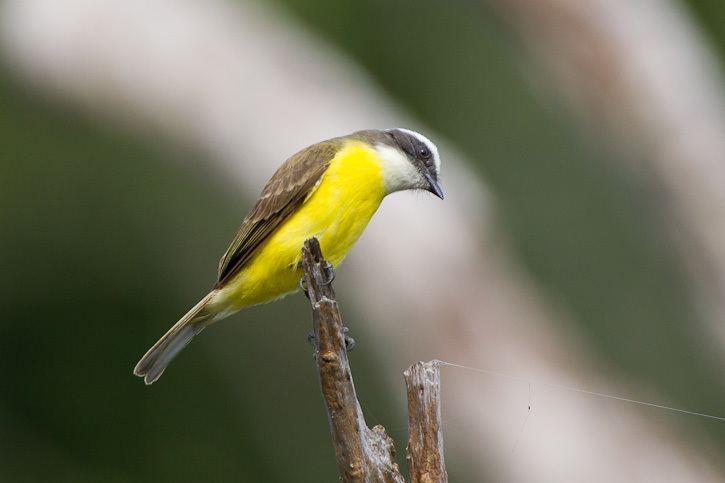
{"x":577,"y":390}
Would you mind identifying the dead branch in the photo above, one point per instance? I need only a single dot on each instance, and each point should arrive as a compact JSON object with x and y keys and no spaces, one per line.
{"x":363,"y":455}
{"x":425,"y":432}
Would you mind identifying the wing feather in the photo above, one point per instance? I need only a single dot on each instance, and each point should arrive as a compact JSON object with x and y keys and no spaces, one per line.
{"x":284,"y":192}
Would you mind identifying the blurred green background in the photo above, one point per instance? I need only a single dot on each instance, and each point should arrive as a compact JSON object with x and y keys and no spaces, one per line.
{"x":107,"y":238}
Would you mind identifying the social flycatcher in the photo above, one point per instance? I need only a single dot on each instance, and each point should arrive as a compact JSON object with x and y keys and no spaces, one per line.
{"x":329,"y":190}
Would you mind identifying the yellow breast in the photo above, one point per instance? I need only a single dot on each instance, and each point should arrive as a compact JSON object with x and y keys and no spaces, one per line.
{"x":336,"y":212}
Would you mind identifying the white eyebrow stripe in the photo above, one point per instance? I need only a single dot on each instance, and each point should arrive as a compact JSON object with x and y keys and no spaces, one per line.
{"x":433,"y":148}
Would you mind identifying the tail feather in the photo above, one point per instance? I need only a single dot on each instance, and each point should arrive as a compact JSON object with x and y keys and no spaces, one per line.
{"x":153,"y":363}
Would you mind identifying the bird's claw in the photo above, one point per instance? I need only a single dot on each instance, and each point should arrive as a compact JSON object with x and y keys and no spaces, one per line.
{"x":330,"y":272}
{"x":303,"y":286}
{"x":349,"y":341}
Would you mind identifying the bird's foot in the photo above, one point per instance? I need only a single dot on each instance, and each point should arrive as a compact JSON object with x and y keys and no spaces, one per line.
{"x":349,"y":341}
{"x":330,"y":273}
{"x":303,"y":286}
{"x":312,"y":339}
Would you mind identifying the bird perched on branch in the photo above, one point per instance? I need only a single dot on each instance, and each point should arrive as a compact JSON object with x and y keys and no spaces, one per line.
{"x":329,"y":190}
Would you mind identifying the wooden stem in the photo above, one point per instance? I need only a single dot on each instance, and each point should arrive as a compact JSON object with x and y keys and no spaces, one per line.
{"x":363,"y":455}
{"x":425,"y":432}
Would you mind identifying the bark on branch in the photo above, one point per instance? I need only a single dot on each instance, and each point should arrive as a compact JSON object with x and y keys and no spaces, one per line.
{"x":368,"y":455}
{"x":363,"y":455}
{"x":425,"y":433}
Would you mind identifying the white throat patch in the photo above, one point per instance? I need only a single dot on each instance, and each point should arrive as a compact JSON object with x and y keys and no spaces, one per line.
{"x":398,"y":172}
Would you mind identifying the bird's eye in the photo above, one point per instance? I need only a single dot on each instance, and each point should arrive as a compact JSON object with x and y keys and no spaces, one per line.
{"x":423,"y":153}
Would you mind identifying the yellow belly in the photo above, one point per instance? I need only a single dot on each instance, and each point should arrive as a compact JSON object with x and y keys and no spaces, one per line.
{"x":336,"y":213}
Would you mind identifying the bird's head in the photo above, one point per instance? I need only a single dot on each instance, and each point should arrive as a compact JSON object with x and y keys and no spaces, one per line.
{"x":410,"y":161}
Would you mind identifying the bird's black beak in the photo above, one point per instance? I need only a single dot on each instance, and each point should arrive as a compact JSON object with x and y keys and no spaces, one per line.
{"x":434,"y":186}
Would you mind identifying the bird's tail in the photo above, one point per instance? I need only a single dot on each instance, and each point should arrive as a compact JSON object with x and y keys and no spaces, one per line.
{"x":153,"y":363}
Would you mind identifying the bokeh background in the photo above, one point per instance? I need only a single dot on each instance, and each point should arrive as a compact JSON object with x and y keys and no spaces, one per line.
{"x":582,"y":241}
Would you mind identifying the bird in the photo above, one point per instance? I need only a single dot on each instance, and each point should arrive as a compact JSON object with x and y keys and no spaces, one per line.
{"x":330,"y":191}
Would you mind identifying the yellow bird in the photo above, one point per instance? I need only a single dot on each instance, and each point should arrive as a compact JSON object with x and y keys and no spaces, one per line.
{"x":329,"y":190}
